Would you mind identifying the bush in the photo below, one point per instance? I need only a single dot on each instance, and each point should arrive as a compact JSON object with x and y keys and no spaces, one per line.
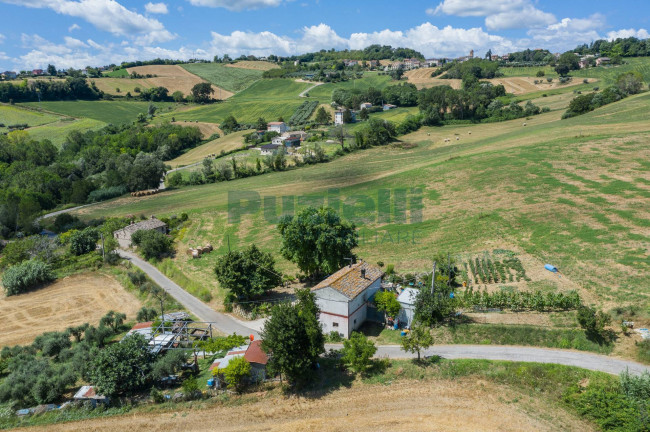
{"x":83,"y":242}
{"x":22,"y":277}
{"x":237,"y":373}
{"x":358,"y":352}
{"x":152,"y":244}
{"x":106,"y":193}
{"x":540,"y":73}
{"x":594,"y":323}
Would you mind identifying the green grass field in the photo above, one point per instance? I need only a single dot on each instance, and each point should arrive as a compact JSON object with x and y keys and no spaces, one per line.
{"x":11,"y":115}
{"x":228,"y":78}
{"x":58,"y":131}
{"x":271,"y":99}
{"x":370,"y":79}
{"x":115,"y":112}
{"x":570,"y":192}
{"x":119,"y":73}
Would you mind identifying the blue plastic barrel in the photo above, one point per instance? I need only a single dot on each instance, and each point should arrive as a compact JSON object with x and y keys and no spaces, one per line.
{"x":396,"y":326}
{"x":211,"y":382}
{"x":550,"y":268}
{"x":403,"y":333}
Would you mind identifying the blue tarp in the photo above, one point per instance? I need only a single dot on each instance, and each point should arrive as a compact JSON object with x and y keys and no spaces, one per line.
{"x":550,"y":268}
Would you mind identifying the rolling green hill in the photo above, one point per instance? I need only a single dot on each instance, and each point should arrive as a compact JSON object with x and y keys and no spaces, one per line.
{"x":570,"y":192}
{"x":228,"y":78}
{"x":269,"y":98}
{"x":105,"y":111}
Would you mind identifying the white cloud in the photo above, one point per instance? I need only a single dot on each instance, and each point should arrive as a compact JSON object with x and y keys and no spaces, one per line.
{"x":107,"y":15}
{"x":237,"y":5}
{"x":2,"y":38}
{"x":74,"y":27}
{"x":156,"y":8}
{"x":499,"y":14}
{"x":426,"y":38}
{"x":626,"y":33}
{"x":568,"y":33}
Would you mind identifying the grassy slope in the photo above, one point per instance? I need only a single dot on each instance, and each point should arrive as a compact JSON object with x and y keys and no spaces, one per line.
{"x":270,"y":99}
{"x":370,"y":79}
{"x":105,"y":111}
{"x":120,"y":73}
{"x":11,"y":115}
{"x":569,"y":192}
{"x":226,"y":143}
{"x":228,"y":78}
{"x":57,"y":132}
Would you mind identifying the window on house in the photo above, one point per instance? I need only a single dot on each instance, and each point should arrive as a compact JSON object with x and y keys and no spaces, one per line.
{"x":355,"y":321}
{"x":335,"y":324}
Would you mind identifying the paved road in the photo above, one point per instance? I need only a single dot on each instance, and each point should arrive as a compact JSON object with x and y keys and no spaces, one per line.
{"x":223,"y":322}
{"x":228,"y":325}
{"x":522,"y":354}
{"x":56,"y":213}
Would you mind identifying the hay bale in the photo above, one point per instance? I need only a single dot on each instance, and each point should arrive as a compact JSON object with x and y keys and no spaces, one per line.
{"x":205,"y":250}
{"x":195,"y":254}
{"x":190,"y":251}
{"x":209,"y":246}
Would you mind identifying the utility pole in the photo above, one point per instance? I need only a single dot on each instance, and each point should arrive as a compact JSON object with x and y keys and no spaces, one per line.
{"x":228,"y":243}
{"x":103,"y":248}
{"x":448,"y":269}
{"x":433,"y":278}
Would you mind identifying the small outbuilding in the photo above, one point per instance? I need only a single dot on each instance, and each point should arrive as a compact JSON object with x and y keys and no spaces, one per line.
{"x":89,"y":393}
{"x":407,"y":300}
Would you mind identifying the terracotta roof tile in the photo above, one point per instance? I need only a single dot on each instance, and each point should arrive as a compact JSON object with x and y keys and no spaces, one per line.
{"x":348,"y":280}
{"x":254,"y":353}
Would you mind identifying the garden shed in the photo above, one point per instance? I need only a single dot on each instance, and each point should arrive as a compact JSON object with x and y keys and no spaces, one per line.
{"x":407,"y":300}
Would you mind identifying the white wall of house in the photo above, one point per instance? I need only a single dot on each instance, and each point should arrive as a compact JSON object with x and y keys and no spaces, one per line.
{"x":281,"y":128}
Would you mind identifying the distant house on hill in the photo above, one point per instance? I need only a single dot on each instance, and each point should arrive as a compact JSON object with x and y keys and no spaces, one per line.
{"x":366,"y":105}
{"x":279,"y":127}
{"x":387,"y":107}
{"x":123,"y":236}
{"x":344,"y":296}
{"x":9,"y":75}
{"x":37,"y":72}
{"x":269,"y":149}
{"x":602,"y":61}
{"x":339,"y":117}
{"x":252,"y":353}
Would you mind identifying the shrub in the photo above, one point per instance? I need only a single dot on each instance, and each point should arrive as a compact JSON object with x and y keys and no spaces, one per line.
{"x":594,"y":322}
{"x":540,"y":73}
{"x":237,"y":373}
{"x":22,"y":277}
{"x":358,"y":352}
{"x":152,"y":244}
{"x":106,"y":193}
{"x":82,"y":242}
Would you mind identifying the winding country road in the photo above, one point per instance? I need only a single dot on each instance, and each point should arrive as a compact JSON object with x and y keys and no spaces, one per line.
{"x":224,"y":323}
{"x":228,"y":325}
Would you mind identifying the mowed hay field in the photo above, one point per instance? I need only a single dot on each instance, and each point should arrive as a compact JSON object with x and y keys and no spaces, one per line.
{"x":232,"y":79}
{"x":175,"y":78}
{"x":65,"y":303}
{"x":225,"y":143}
{"x":570,"y":192}
{"x":440,"y":405}
{"x":254,"y":65}
{"x":516,"y":85}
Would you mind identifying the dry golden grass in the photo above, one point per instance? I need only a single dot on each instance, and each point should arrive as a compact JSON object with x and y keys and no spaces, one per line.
{"x":174,"y":78}
{"x":467,"y":404}
{"x":224,"y":143}
{"x":254,"y":65}
{"x":516,"y":85}
{"x":68,"y":302}
{"x":207,"y":129}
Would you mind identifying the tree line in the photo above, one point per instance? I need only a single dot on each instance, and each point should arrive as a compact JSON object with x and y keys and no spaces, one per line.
{"x":36,"y":176}
{"x":37,"y":90}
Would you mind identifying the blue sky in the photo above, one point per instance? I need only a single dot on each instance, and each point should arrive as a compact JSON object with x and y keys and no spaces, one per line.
{"x":78,"y":33}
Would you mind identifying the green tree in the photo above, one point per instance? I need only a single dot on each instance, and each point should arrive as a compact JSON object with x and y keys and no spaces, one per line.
{"x":152,"y":244}
{"x":209,"y":174}
{"x":202,"y":92}
{"x":237,"y":373}
{"x":247,"y":273}
{"x":122,"y":368}
{"x":630,"y":82}
{"x":322,"y":117}
{"x":570,"y":60}
{"x":358,"y":352}
{"x":347,"y":116}
{"x":540,"y":73}
{"x":77,"y":331}
{"x":387,"y":303}
{"x":51,"y":70}
{"x":146,"y":314}
{"x":229,"y":125}
{"x":83,"y":242}
{"x":261,"y":124}
{"x":113,"y":320}
{"x":418,"y":339}
{"x":294,"y":338}
{"x":317,"y":240}
{"x":178,"y":96}
{"x":363,"y":115}
{"x":562,"y":69}
{"x":594,"y":323}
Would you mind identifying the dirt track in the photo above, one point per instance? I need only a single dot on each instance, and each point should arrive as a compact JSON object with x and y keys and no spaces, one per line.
{"x":68,"y":302}
{"x":461,"y":405}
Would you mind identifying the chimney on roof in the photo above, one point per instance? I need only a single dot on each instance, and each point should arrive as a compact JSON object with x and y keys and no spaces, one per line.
{"x":363,"y":273}
{"x":153,"y":217}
